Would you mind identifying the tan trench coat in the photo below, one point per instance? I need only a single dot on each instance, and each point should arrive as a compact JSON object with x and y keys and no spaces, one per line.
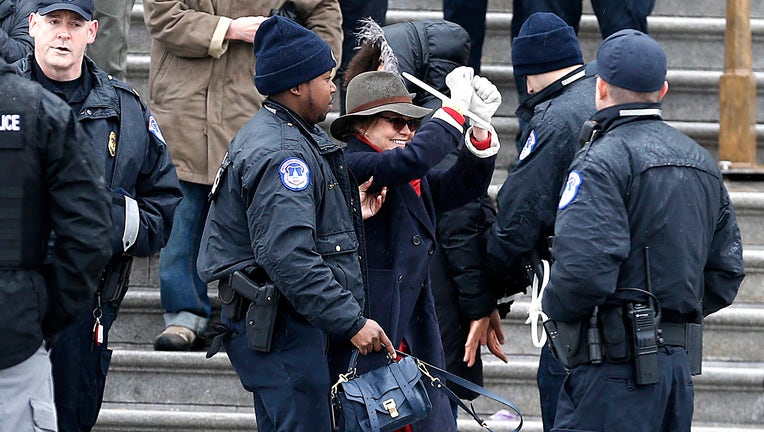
{"x":200,"y":85}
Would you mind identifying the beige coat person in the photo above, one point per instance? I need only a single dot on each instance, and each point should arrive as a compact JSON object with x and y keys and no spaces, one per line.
{"x":200,"y":84}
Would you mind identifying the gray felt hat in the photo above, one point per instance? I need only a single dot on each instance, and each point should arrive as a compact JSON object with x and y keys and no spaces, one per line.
{"x":371,"y":93}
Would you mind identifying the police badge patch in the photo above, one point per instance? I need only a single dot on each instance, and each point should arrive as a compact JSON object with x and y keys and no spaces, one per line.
{"x":295,"y":174}
{"x":154,"y":129}
{"x":571,"y":189}
{"x":530,"y":145}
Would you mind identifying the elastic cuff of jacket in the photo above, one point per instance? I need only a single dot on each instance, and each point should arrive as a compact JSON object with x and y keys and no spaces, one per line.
{"x":451,"y":117}
{"x":479,"y":307}
{"x":491,"y":150}
{"x":218,"y":43}
{"x":357,"y":326}
{"x":481,"y":145}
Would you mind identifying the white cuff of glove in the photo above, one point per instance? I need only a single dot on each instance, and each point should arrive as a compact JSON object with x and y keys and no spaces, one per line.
{"x":132,"y":223}
{"x":482,"y":154}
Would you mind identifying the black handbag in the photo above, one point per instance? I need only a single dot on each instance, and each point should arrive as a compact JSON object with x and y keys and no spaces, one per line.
{"x":380,"y":400}
{"x":363,"y":403}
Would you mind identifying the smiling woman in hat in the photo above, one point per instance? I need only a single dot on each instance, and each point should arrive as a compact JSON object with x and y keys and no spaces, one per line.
{"x":386,"y":142}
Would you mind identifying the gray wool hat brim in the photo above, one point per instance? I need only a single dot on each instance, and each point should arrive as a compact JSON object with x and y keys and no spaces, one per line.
{"x":371,"y":93}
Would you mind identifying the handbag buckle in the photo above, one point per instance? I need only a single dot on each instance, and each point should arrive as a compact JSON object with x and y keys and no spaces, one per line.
{"x":390,"y":406}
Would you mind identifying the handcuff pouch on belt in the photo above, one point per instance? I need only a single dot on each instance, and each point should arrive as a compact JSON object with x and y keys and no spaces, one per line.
{"x":256,"y":301}
{"x":567,"y":340}
{"x":115,"y":279}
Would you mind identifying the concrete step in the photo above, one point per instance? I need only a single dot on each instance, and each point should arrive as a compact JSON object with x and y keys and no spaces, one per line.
{"x":727,"y":392}
{"x":700,"y":8}
{"x":130,"y":420}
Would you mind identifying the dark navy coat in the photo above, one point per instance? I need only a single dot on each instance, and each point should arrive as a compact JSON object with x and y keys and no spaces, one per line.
{"x":400,"y":239}
{"x":643,"y":183}
{"x":140,"y":166}
{"x":528,"y":198}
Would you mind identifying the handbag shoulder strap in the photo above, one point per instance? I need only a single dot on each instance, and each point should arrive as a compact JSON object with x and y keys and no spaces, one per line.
{"x":437,"y":383}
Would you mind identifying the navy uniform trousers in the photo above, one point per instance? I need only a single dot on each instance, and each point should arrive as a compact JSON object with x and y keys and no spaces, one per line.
{"x":290,"y":383}
{"x":604,"y":397}
{"x":79,"y":370}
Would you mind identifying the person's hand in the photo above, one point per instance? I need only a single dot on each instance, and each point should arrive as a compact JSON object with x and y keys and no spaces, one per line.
{"x":485,"y":331}
{"x":370,"y":203}
{"x":371,"y":337}
{"x":459,"y":81}
{"x":486,"y":100}
{"x":244,"y":28}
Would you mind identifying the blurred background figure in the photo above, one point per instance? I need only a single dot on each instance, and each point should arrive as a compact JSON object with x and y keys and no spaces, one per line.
{"x":109,"y":51}
{"x":470,"y":14}
{"x":15,"y":41}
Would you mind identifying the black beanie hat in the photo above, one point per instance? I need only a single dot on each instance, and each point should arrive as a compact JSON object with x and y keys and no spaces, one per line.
{"x":632,"y":60}
{"x":287,"y":55}
{"x":545,"y":43}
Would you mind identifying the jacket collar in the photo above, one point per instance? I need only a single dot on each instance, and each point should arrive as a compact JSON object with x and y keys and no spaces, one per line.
{"x":525,"y":110}
{"x":98,"y":95}
{"x":311,"y":132}
{"x":617,"y":115}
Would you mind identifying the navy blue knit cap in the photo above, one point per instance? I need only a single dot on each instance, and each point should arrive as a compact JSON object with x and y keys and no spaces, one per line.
{"x":545,"y":43}
{"x":287,"y":55}
{"x":632,"y":60}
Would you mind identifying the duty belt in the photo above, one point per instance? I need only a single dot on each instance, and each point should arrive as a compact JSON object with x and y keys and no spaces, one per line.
{"x":674,"y":334}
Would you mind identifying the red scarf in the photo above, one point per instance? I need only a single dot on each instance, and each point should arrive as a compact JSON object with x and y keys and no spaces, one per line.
{"x":414,"y":183}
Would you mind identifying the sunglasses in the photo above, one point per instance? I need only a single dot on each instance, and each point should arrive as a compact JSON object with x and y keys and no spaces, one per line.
{"x":399,"y":122}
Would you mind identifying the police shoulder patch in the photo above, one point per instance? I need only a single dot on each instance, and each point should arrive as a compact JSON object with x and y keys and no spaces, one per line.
{"x":154,"y":129}
{"x":295,"y":174}
{"x":571,"y":189}
{"x":530,"y":145}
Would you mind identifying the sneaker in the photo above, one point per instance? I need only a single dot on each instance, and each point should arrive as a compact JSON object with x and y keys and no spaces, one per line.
{"x":177,"y":338}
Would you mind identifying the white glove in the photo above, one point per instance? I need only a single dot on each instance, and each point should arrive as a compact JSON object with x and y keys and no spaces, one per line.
{"x":487,"y":98}
{"x":459,"y":81}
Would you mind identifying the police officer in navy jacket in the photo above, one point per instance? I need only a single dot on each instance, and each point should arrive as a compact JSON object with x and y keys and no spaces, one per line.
{"x":287,"y":212}
{"x":644,"y":227}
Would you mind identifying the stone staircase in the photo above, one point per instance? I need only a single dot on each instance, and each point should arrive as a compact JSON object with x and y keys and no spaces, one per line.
{"x":154,"y":391}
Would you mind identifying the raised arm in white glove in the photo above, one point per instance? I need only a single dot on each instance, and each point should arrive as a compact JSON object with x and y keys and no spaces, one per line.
{"x":486,"y":100}
{"x":459,"y":81}
{"x":484,"y":104}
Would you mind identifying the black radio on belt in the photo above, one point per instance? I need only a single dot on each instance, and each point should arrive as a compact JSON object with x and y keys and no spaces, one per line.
{"x":641,"y":318}
{"x":644,"y":331}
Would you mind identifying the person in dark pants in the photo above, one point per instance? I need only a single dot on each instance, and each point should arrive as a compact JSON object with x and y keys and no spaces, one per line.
{"x":647,"y":245}
{"x":546,"y":52}
{"x":287,"y":214}
{"x":140,"y":177}
{"x":49,"y":182}
{"x":612,"y":15}
{"x":470,"y":14}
